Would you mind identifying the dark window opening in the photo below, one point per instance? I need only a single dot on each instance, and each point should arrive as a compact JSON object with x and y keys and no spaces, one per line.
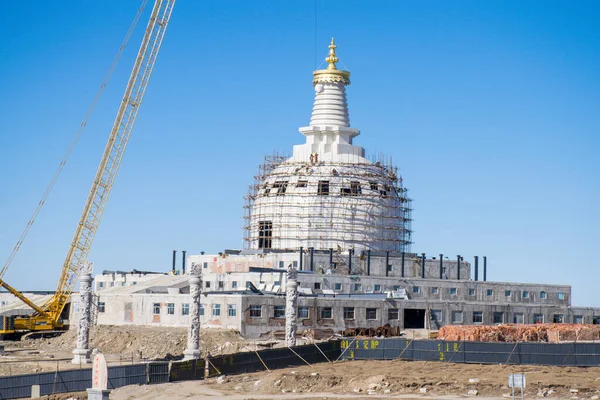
{"x":317,"y":285}
{"x":323,"y":188}
{"x":265,"y":233}
{"x":383,"y":193}
{"x":345,"y":192}
{"x":348,"y":312}
{"x":371,"y":313}
{"x":302,"y":184}
{"x":279,"y":312}
{"x":326,"y":313}
{"x":393,"y":313}
{"x":355,"y":188}
{"x":374,"y":185}
{"x":281,"y":187}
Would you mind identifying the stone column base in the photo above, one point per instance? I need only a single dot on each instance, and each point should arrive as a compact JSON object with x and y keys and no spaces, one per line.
{"x":191,"y":354}
{"x":81,"y":356}
{"x":98,"y":394}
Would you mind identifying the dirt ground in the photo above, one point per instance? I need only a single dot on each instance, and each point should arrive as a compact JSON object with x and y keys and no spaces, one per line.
{"x":120,"y":344}
{"x":381,"y":379}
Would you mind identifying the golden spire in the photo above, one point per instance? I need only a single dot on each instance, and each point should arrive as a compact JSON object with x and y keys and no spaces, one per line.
{"x":331,"y":74}
{"x":332,"y":59}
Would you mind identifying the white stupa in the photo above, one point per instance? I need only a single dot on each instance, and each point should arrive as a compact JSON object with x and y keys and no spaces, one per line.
{"x":328,"y":195}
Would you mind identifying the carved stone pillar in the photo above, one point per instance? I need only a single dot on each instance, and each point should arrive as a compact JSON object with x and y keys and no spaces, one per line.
{"x":291,"y":300}
{"x":193,"y":340}
{"x":81,"y":355}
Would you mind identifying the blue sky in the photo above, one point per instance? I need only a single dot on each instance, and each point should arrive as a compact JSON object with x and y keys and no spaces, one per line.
{"x":490,"y":109}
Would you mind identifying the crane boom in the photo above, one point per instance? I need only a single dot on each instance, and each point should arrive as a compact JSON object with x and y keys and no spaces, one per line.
{"x":49,"y":318}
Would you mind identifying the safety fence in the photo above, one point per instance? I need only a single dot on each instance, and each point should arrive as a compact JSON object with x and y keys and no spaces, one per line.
{"x":558,"y":354}
{"x":262,"y":360}
{"x":76,"y":380}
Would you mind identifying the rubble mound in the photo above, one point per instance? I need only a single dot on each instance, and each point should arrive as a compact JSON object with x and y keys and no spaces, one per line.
{"x":553,"y":333}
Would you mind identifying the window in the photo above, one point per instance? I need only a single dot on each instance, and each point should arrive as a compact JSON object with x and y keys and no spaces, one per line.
{"x":538,"y":318}
{"x":277,"y":283}
{"x":355,"y":188}
{"x":279,"y":312}
{"x":348,"y":312}
{"x":216,"y":310}
{"x":231,"y":310}
{"x":101,"y":284}
{"x":393,"y":314}
{"x":578,"y":319}
{"x":207,"y":284}
{"x":345,"y":191}
{"x":507,"y":293}
{"x":303,"y":312}
{"x":122,"y":283}
{"x":390,"y":267}
{"x":134,"y":283}
{"x":457,"y":317}
{"x":221,"y":284}
{"x":453,"y":291}
{"x":205,"y":265}
{"x":525,"y":294}
{"x":371,"y":313}
{"x":396,"y":288}
{"x":281,"y":187}
{"x":498,"y":317}
{"x":373,"y":186}
{"x":185,"y":309}
{"x":477,"y":317}
{"x":416,"y":289}
{"x":325,"y":312}
{"x":560,"y":296}
{"x":436,"y":315}
{"x":377,"y":288}
{"x":201,"y":310}
{"x":75,"y":306}
{"x":471,"y":292}
{"x":435,"y":290}
{"x":265,"y":233}
{"x":171,"y":308}
{"x":337,"y":286}
{"x":255,"y":311}
{"x":302,"y":184}
{"x":558,"y":318}
{"x":295,"y":264}
{"x":234,"y":285}
{"x":543,"y":295}
{"x":156,"y":308}
{"x":281,"y":264}
{"x":518,"y":318}
{"x":490,"y":292}
{"x":102,"y":307}
{"x":323,"y":188}
{"x":596,"y":320}
{"x":317,"y":285}
{"x":112,"y":284}
{"x":357,"y":287}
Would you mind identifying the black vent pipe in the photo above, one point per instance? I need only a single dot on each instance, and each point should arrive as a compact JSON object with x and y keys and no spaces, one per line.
{"x":441,"y":266}
{"x":174,"y":259}
{"x":350,"y":261}
{"x":312,"y":253}
{"x":387,"y":263}
{"x":476,"y":268}
{"x":301,"y":257}
{"x":484,"y":268}
{"x":402,"y":266}
{"x":368,"y":262}
{"x":458,"y":267}
{"x":422,"y":265}
{"x":183,"y":262}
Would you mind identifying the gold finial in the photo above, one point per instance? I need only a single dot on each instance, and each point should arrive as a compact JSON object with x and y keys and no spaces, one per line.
{"x":332,"y":59}
{"x":331,"y":74}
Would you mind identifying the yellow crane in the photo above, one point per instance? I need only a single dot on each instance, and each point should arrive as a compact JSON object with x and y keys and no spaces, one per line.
{"x":47,"y":316}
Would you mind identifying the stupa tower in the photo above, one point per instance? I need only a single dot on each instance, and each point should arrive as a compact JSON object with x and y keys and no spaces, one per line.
{"x":328,"y":195}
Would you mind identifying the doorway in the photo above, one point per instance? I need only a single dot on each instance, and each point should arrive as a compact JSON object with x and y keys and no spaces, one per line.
{"x":414,"y":318}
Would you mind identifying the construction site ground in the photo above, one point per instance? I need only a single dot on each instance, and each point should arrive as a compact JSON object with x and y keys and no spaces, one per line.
{"x":120,"y":345}
{"x":377,"y":379}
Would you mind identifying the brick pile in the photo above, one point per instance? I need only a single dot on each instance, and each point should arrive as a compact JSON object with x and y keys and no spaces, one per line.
{"x":553,"y":333}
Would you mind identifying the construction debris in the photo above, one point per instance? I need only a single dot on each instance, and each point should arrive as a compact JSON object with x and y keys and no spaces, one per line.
{"x":553,"y":333}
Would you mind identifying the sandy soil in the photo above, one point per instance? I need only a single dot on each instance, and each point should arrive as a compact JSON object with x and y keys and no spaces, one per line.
{"x":120,"y":344}
{"x":380,"y":379}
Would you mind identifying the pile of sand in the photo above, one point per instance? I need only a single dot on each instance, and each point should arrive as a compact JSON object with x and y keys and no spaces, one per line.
{"x":521,"y":333}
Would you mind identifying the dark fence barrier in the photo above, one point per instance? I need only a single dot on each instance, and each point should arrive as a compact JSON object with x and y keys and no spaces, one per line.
{"x":239,"y":363}
{"x":558,"y":354}
{"x":77,"y":380}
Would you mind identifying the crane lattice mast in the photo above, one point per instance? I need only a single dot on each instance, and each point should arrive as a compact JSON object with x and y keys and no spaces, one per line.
{"x":111,"y":160}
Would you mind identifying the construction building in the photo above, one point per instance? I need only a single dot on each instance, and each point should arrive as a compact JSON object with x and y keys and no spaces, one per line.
{"x":343,"y":221}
